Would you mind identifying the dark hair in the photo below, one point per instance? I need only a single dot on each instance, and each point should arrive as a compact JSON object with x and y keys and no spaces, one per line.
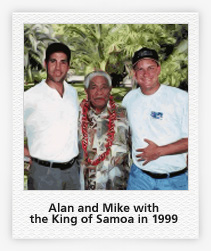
{"x":57,"y":47}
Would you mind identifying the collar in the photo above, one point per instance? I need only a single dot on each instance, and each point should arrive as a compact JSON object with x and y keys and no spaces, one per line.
{"x":52,"y":90}
{"x":151,"y":95}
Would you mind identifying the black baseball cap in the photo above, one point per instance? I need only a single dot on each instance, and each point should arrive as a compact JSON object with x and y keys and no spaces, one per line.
{"x":58,"y":47}
{"x":145,"y":53}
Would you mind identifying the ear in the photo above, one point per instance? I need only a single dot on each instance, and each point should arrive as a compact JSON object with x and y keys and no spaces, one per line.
{"x":159,"y":69}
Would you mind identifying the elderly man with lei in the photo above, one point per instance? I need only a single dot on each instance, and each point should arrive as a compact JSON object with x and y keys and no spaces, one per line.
{"x":104,"y":136}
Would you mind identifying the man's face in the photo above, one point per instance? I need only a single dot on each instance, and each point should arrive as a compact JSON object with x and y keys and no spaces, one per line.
{"x":57,"y":67}
{"x":98,"y":93}
{"x":146,"y":73}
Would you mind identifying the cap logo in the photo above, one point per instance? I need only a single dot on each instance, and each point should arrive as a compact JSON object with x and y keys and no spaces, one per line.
{"x":146,"y":53}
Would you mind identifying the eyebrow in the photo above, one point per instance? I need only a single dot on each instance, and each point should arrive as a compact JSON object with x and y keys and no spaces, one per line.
{"x":93,"y":83}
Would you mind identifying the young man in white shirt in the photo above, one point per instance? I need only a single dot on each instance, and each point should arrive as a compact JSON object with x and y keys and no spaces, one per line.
{"x":50,"y":123}
{"x":158,"y":118}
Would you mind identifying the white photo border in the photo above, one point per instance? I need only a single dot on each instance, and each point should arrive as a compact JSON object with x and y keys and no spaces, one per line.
{"x":182,"y":203}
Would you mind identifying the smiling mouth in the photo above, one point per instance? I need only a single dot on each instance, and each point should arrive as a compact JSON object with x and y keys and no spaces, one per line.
{"x":58,"y":74}
{"x":147,"y":79}
{"x":99,"y":99}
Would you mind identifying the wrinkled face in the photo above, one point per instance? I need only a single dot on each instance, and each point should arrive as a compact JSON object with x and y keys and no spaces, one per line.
{"x":146,"y":73}
{"x":98,"y":93}
{"x":57,"y":67}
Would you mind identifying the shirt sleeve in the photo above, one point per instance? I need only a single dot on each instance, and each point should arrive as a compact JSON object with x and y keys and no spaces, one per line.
{"x":184,"y":120}
{"x":124,"y":102}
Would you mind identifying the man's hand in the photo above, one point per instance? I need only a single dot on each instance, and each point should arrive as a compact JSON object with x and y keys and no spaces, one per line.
{"x":149,"y":153}
{"x":153,"y":151}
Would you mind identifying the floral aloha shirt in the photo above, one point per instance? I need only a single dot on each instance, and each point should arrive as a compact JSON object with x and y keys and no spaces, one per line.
{"x":113,"y":172}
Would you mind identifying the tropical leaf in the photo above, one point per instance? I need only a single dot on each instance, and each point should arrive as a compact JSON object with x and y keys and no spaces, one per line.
{"x":111,"y":46}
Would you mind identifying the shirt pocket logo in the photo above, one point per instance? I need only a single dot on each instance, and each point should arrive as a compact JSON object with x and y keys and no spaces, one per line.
{"x":156,"y":115}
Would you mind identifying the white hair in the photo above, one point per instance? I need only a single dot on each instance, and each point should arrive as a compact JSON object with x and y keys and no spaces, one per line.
{"x":93,"y":74}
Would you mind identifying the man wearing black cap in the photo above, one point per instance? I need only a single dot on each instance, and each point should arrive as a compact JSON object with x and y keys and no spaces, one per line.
{"x":50,"y":123}
{"x":158,"y":117}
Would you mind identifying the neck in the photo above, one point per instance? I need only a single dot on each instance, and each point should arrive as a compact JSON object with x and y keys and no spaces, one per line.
{"x":59,"y":86}
{"x":98,"y":111}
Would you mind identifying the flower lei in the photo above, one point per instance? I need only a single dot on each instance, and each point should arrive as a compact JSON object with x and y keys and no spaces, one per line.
{"x":110,"y":132}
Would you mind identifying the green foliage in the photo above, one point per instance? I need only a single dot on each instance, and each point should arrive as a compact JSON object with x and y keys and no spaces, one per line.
{"x":110,"y":47}
{"x":91,"y":45}
{"x":36,"y":39}
{"x":175,"y":67}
